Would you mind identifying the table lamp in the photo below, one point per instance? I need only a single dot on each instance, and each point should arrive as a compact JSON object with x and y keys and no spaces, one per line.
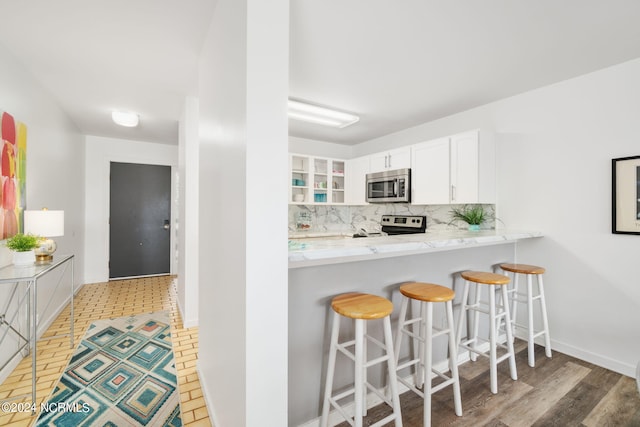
{"x":46,"y":224}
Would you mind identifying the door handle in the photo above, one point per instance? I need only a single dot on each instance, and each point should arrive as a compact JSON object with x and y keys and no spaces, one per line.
{"x":166,"y":224}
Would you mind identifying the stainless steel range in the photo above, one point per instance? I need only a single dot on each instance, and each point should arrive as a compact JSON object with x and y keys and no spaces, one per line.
{"x":403,"y":224}
{"x":393,"y":225}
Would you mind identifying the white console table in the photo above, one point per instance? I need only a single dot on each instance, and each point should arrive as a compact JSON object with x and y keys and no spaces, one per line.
{"x":28,"y":296}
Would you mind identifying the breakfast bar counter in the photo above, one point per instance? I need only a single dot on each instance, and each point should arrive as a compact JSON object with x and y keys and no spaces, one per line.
{"x":322,"y":266}
{"x":307,"y":249}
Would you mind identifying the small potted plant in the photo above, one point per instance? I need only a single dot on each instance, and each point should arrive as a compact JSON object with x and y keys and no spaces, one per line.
{"x":474,"y":215}
{"x":22,"y":246}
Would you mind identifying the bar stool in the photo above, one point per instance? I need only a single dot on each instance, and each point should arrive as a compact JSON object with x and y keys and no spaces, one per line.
{"x":496,"y":313}
{"x":361,"y":307}
{"x":427,"y":294}
{"x":528,"y":298}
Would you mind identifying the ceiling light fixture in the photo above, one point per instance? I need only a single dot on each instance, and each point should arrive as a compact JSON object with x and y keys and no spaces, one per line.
{"x":124,"y":118}
{"x":320,"y":115}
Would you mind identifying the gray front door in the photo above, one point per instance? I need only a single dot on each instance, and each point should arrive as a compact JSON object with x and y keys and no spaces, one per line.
{"x":140,"y":215}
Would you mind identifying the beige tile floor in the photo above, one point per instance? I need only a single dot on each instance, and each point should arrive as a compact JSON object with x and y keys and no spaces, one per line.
{"x":101,"y":301}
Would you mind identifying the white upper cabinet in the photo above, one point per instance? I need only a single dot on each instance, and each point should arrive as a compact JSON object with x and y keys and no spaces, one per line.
{"x":473,"y":167}
{"x":356,"y":172}
{"x":430,"y":172}
{"x":454,"y":170}
{"x":398,"y":158}
{"x":316,"y":180}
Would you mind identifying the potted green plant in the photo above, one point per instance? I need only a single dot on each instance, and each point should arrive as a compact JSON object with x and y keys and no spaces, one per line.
{"x":22,"y":246}
{"x":474,"y":215}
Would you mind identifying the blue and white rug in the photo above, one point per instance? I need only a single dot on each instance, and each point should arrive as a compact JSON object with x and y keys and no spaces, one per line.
{"x":122,"y":374}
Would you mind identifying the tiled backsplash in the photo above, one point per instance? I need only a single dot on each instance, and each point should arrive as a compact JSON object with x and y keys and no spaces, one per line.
{"x":348,"y":219}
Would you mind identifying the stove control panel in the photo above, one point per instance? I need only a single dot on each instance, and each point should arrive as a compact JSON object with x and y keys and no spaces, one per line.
{"x":404,"y":221}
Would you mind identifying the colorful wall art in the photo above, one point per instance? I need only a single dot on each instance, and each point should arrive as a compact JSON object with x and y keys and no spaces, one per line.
{"x":13,"y":173}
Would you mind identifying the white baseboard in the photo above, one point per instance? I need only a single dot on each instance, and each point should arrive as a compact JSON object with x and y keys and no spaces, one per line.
{"x":621,"y":368}
{"x":208,"y":403}
{"x":186,"y":323}
{"x":596,"y":359}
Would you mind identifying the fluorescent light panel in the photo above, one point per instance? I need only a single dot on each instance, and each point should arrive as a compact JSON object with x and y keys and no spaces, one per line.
{"x":124,"y":118}
{"x":320,"y":115}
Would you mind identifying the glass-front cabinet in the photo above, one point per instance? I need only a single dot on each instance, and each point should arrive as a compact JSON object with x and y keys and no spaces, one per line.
{"x":299,"y":186}
{"x":337,"y":181}
{"x":316,"y":180}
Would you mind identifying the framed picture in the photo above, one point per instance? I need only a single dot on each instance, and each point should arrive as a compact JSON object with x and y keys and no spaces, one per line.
{"x":13,"y":171}
{"x":626,"y":195}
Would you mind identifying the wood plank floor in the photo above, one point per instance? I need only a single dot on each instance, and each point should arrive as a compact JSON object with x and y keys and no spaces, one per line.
{"x":103,"y":301}
{"x":561,"y":391}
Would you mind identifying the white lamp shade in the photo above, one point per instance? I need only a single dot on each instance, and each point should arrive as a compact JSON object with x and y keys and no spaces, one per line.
{"x":44,"y":223}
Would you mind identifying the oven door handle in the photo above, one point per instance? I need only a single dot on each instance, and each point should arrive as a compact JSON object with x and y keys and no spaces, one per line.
{"x":395,"y":188}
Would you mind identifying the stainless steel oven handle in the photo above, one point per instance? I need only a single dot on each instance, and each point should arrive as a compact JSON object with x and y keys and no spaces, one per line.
{"x":395,"y":188}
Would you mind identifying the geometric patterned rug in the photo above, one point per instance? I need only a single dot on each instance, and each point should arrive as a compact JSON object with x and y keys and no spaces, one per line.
{"x":122,"y":374}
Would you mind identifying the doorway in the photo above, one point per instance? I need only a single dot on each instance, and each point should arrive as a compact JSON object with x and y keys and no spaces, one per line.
{"x":139,"y":220}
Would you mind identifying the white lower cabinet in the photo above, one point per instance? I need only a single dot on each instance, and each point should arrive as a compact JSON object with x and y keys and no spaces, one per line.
{"x":454,"y":170}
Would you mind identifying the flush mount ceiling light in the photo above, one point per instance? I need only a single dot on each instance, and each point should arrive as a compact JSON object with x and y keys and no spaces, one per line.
{"x":320,"y":115}
{"x":124,"y":118}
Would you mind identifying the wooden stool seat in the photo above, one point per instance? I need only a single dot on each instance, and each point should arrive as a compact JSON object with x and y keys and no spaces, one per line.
{"x":356,"y":305}
{"x":523,"y":268}
{"x":485,"y":278}
{"x":427,"y":292}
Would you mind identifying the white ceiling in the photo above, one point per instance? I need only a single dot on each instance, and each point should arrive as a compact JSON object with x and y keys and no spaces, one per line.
{"x":395,"y":63}
{"x":95,"y":56}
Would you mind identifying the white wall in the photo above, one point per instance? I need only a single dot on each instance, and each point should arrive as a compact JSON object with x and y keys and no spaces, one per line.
{"x":313,"y":147}
{"x":555,"y":147}
{"x":100,"y":152}
{"x":243,"y":89}
{"x":187,"y":221}
{"x":55,"y":172}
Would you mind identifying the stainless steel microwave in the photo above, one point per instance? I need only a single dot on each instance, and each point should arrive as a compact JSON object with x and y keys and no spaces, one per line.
{"x":392,"y":186}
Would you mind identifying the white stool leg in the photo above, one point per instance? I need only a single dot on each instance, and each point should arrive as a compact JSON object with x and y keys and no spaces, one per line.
{"x":514,"y":303}
{"x":422,"y":346}
{"x":461,"y":315}
{"x":493,"y":366}
{"x":512,"y":353}
{"x":545,"y":321}
{"x":401,"y":319}
{"x":359,"y":369}
{"x":365,"y":408}
{"x":453,"y":360}
{"x":476,"y":323}
{"x":428,"y":359}
{"x":333,"y":349}
{"x":530,"y":325}
{"x":391,"y":366}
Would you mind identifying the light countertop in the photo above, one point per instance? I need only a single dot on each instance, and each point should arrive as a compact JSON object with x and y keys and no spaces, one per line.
{"x":321,"y":249}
